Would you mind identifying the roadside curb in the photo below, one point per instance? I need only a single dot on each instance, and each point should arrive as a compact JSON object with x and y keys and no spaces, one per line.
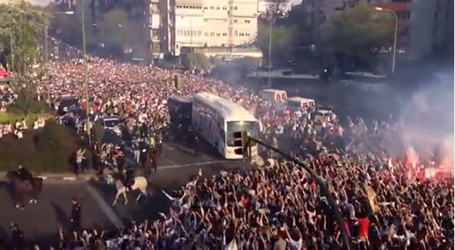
{"x":68,"y":177}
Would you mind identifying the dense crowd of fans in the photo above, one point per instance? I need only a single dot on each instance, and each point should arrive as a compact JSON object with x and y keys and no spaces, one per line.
{"x":387,"y":199}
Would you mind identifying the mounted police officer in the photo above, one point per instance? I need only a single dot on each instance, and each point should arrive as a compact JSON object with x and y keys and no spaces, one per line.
{"x":24,"y":174}
{"x":128,"y":179}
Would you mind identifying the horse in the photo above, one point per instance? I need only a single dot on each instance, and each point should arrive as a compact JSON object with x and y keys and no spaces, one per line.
{"x":140,"y":183}
{"x":24,"y":187}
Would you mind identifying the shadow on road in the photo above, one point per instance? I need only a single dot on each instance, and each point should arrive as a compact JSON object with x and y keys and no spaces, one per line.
{"x":60,"y":215}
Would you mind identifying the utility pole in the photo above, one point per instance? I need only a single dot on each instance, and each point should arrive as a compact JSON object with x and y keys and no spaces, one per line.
{"x":84,"y":54}
{"x":269,"y":79}
{"x":231,"y":27}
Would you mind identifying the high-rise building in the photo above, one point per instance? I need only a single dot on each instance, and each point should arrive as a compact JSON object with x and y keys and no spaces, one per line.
{"x":203,"y":23}
{"x":425,"y":26}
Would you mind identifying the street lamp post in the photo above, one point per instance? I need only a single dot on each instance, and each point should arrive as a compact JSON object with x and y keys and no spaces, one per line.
{"x":84,"y":54}
{"x":269,"y":79}
{"x":191,"y":41}
{"x":395,"y":37}
{"x":11,"y":45}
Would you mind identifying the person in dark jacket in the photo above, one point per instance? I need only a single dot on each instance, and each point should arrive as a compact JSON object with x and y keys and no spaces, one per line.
{"x":25,"y":175}
{"x":129,"y":179}
{"x":17,"y":236}
{"x":76,"y":213}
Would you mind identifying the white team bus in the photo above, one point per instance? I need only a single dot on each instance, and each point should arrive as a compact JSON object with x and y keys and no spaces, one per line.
{"x":219,"y":121}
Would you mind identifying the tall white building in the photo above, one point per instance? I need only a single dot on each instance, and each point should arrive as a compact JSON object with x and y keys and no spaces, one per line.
{"x":205,"y":23}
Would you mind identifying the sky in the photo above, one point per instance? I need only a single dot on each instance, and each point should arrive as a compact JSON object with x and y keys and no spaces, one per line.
{"x":45,"y":2}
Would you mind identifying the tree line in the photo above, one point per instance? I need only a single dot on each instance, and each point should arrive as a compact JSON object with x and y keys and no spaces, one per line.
{"x":357,"y":38}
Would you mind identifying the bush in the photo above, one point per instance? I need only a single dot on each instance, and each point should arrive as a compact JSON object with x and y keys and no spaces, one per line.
{"x":28,"y":103}
{"x":49,"y":149}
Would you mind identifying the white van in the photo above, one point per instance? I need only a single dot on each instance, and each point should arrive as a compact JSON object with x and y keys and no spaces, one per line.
{"x":273,"y":95}
{"x":326,"y":115}
{"x":299,"y":103}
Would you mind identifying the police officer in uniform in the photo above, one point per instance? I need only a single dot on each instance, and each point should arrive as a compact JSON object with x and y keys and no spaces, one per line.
{"x":128,"y":180}
{"x":196,"y":142}
{"x":159,"y":144}
{"x":75,"y":218}
{"x":17,"y":236}
{"x":25,"y":174}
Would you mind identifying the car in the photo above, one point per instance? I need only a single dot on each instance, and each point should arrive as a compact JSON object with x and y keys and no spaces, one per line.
{"x":112,"y":123}
{"x":66,"y":101}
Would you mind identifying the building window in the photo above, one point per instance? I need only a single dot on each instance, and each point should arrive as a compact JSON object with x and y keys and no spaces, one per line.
{"x":224,"y":34}
{"x":212,"y":33}
{"x":236,"y":33}
{"x":235,"y":8}
{"x":218,"y":8}
{"x":218,"y":34}
{"x":205,"y":8}
{"x":199,"y":33}
{"x":247,"y":21}
{"x":212,"y":8}
{"x":235,"y":20}
{"x":179,"y":32}
{"x":224,"y":8}
{"x":206,"y":34}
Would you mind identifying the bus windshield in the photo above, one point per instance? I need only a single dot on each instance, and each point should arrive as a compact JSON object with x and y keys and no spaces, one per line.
{"x":110,"y":123}
{"x":252,"y":127}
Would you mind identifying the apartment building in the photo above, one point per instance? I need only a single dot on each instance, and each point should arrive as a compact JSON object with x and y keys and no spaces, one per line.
{"x":425,"y":26}
{"x":204,"y":23}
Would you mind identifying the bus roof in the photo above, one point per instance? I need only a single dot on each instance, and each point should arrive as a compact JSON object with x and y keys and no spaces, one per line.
{"x":179,"y":99}
{"x":230,"y":111}
{"x":300,"y":99}
{"x":273,"y":90}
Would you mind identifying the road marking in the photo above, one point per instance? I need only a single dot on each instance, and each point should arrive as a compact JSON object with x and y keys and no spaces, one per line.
{"x":172,"y":149}
{"x":107,"y":210}
{"x":190,"y":164}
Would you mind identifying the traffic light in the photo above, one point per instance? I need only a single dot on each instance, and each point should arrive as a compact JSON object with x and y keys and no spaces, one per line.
{"x":241,"y":140}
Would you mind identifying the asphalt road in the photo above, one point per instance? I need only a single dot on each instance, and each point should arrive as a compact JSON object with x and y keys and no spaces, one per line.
{"x":176,"y":167}
{"x":52,"y":211}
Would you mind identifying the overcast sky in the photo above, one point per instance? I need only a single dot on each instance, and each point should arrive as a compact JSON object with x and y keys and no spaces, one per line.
{"x":45,"y":2}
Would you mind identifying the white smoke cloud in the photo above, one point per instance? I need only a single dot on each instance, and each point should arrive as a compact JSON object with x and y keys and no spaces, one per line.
{"x":428,"y":117}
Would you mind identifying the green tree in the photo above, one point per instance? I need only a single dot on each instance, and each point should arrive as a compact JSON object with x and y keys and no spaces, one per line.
{"x":281,"y":40}
{"x":28,"y":103}
{"x":21,"y":28}
{"x":356,"y":36}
